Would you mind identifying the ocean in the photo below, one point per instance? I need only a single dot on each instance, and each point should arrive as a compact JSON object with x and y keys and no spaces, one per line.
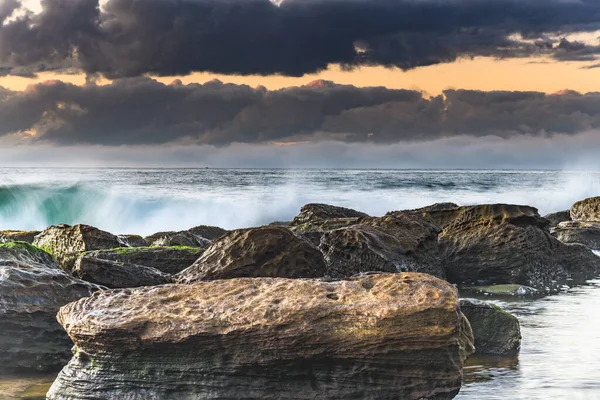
{"x":561,"y":333}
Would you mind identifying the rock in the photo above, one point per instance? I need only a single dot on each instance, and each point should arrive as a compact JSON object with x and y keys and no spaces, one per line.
{"x":386,"y":336}
{"x":503,"y":290}
{"x":268,"y":251}
{"x":183,"y":238}
{"x":500,"y":244}
{"x":558,"y":217}
{"x":397,"y":242}
{"x":208,"y":232}
{"x":32,"y":289}
{"x":587,"y":233}
{"x":18,"y":236}
{"x":114,"y":274}
{"x":314,"y":230}
{"x":133,"y":241}
{"x":496,"y":332}
{"x":587,"y":210}
{"x":66,"y":242}
{"x":313,"y":212}
{"x":169,"y":260}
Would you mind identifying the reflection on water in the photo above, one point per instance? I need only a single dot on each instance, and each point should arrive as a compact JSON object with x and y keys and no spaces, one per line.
{"x":560,"y":352}
{"x":25,"y":387}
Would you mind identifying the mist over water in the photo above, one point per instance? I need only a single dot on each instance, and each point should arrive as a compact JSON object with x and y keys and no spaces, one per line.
{"x":148,"y":200}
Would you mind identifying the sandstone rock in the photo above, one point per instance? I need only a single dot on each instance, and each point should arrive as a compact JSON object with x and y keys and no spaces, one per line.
{"x":386,"y":336}
{"x":17,"y":236}
{"x":503,"y":290}
{"x":313,"y":212}
{"x":208,"y":232}
{"x":133,"y":240}
{"x":558,"y":217}
{"x":496,"y":332}
{"x":314,"y":230}
{"x":502,"y":244}
{"x":268,"y":251}
{"x":397,"y":242}
{"x":587,"y":233}
{"x":169,"y":260}
{"x":587,"y":210}
{"x":32,"y":289}
{"x":183,"y":238}
{"x":66,"y":242}
{"x":114,"y":274}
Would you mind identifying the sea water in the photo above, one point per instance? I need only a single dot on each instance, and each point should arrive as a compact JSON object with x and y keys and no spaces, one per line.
{"x":561,"y":334}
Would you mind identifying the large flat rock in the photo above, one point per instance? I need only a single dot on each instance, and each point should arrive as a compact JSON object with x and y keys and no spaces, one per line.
{"x":382,"y":336}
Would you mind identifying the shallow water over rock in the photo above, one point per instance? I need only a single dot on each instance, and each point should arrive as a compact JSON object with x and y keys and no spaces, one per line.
{"x":559,"y":352}
{"x":25,"y":387}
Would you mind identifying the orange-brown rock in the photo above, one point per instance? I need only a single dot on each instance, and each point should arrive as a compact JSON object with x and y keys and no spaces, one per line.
{"x":587,"y":210}
{"x":268,"y":251}
{"x":381,"y":336}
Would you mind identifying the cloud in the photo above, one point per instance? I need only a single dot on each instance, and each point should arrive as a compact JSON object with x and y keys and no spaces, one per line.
{"x":142,"y":111}
{"x":127,"y":38}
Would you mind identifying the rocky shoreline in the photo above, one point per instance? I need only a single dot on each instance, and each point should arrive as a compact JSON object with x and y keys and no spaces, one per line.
{"x":335,"y":304}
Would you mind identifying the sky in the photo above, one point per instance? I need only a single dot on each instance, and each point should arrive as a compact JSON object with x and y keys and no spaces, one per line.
{"x":300,"y":83}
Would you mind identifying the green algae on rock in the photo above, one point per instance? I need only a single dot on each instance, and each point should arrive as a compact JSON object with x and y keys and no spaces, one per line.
{"x":381,"y":336}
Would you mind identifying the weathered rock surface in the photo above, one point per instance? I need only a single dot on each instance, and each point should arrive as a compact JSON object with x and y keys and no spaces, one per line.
{"x":169,"y":260}
{"x":314,"y":212}
{"x":114,"y":274}
{"x":66,"y":242}
{"x":496,"y":332}
{"x":502,"y":244}
{"x":208,"y":232}
{"x":32,"y":289}
{"x":133,"y":240}
{"x":182,"y":238}
{"x":397,"y":242}
{"x":17,"y":236}
{"x":587,"y":233}
{"x":386,"y":336}
{"x":558,"y":217}
{"x":587,"y":210}
{"x":268,"y":251}
{"x":314,"y":230}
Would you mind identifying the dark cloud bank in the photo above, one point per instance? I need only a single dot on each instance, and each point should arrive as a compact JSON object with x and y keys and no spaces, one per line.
{"x":142,"y":111}
{"x":127,"y":38}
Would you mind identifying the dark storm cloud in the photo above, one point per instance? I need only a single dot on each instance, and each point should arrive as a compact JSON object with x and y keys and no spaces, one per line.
{"x":133,"y":37}
{"x":143,"y":111}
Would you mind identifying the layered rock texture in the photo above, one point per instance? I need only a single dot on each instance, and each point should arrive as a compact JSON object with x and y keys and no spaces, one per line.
{"x":66,"y":242}
{"x":502,"y":243}
{"x":208,"y":232}
{"x":496,"y":332}
{"x":397,"y":242}
{"x":17,"y":236}
{"x":169,"y":260}
{"x":558,"y":217}
{"x":587,"y":233}
{"x":133,"y":240}
{"x":114,"y":274}
{"x":315,"y":212}
{"x":586,"y":210}
{"x":32,"y":289}
{"x":268,"y":251}
{"x":386,"y":336}
{"x":182,"y":238}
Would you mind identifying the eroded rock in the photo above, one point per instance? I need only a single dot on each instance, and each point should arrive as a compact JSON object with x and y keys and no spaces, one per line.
{"x":208,"y":232}
{"x":314,"y":212}
{"x":114,"y":274}
{"x":133,"y":240}
{"x":587,"y":233}
{"x":18,"y":236}
{"x":268,"y":251}
{"x":385,"y":336}
{"x":182,"y":238}
{"x":558,"y":217}
{"x":587,"y":210}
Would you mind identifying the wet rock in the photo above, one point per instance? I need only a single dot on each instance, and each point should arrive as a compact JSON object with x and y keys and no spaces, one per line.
{"x":386,"y":336}
{"x":32,"y":289}
{"x":500,"y":244}
{"x":183,"y":238}
{"x":66,"y":242}
{"x":114,"y":274}
{"x":496,"y":332}
{"x":503,"y":290}
{"x":587,"y":210}
{"x":169,"y":260}
{"x":208,"y":232}
{"x":314,"y":212}
{"x":268,"y":251}
{"x":133,"y":241}
{"x":17,"y":236}
{"x":397,"y":242}
{"x":314,"y":230}
{"x":558,"y":217}
{"x":587,"y":233}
